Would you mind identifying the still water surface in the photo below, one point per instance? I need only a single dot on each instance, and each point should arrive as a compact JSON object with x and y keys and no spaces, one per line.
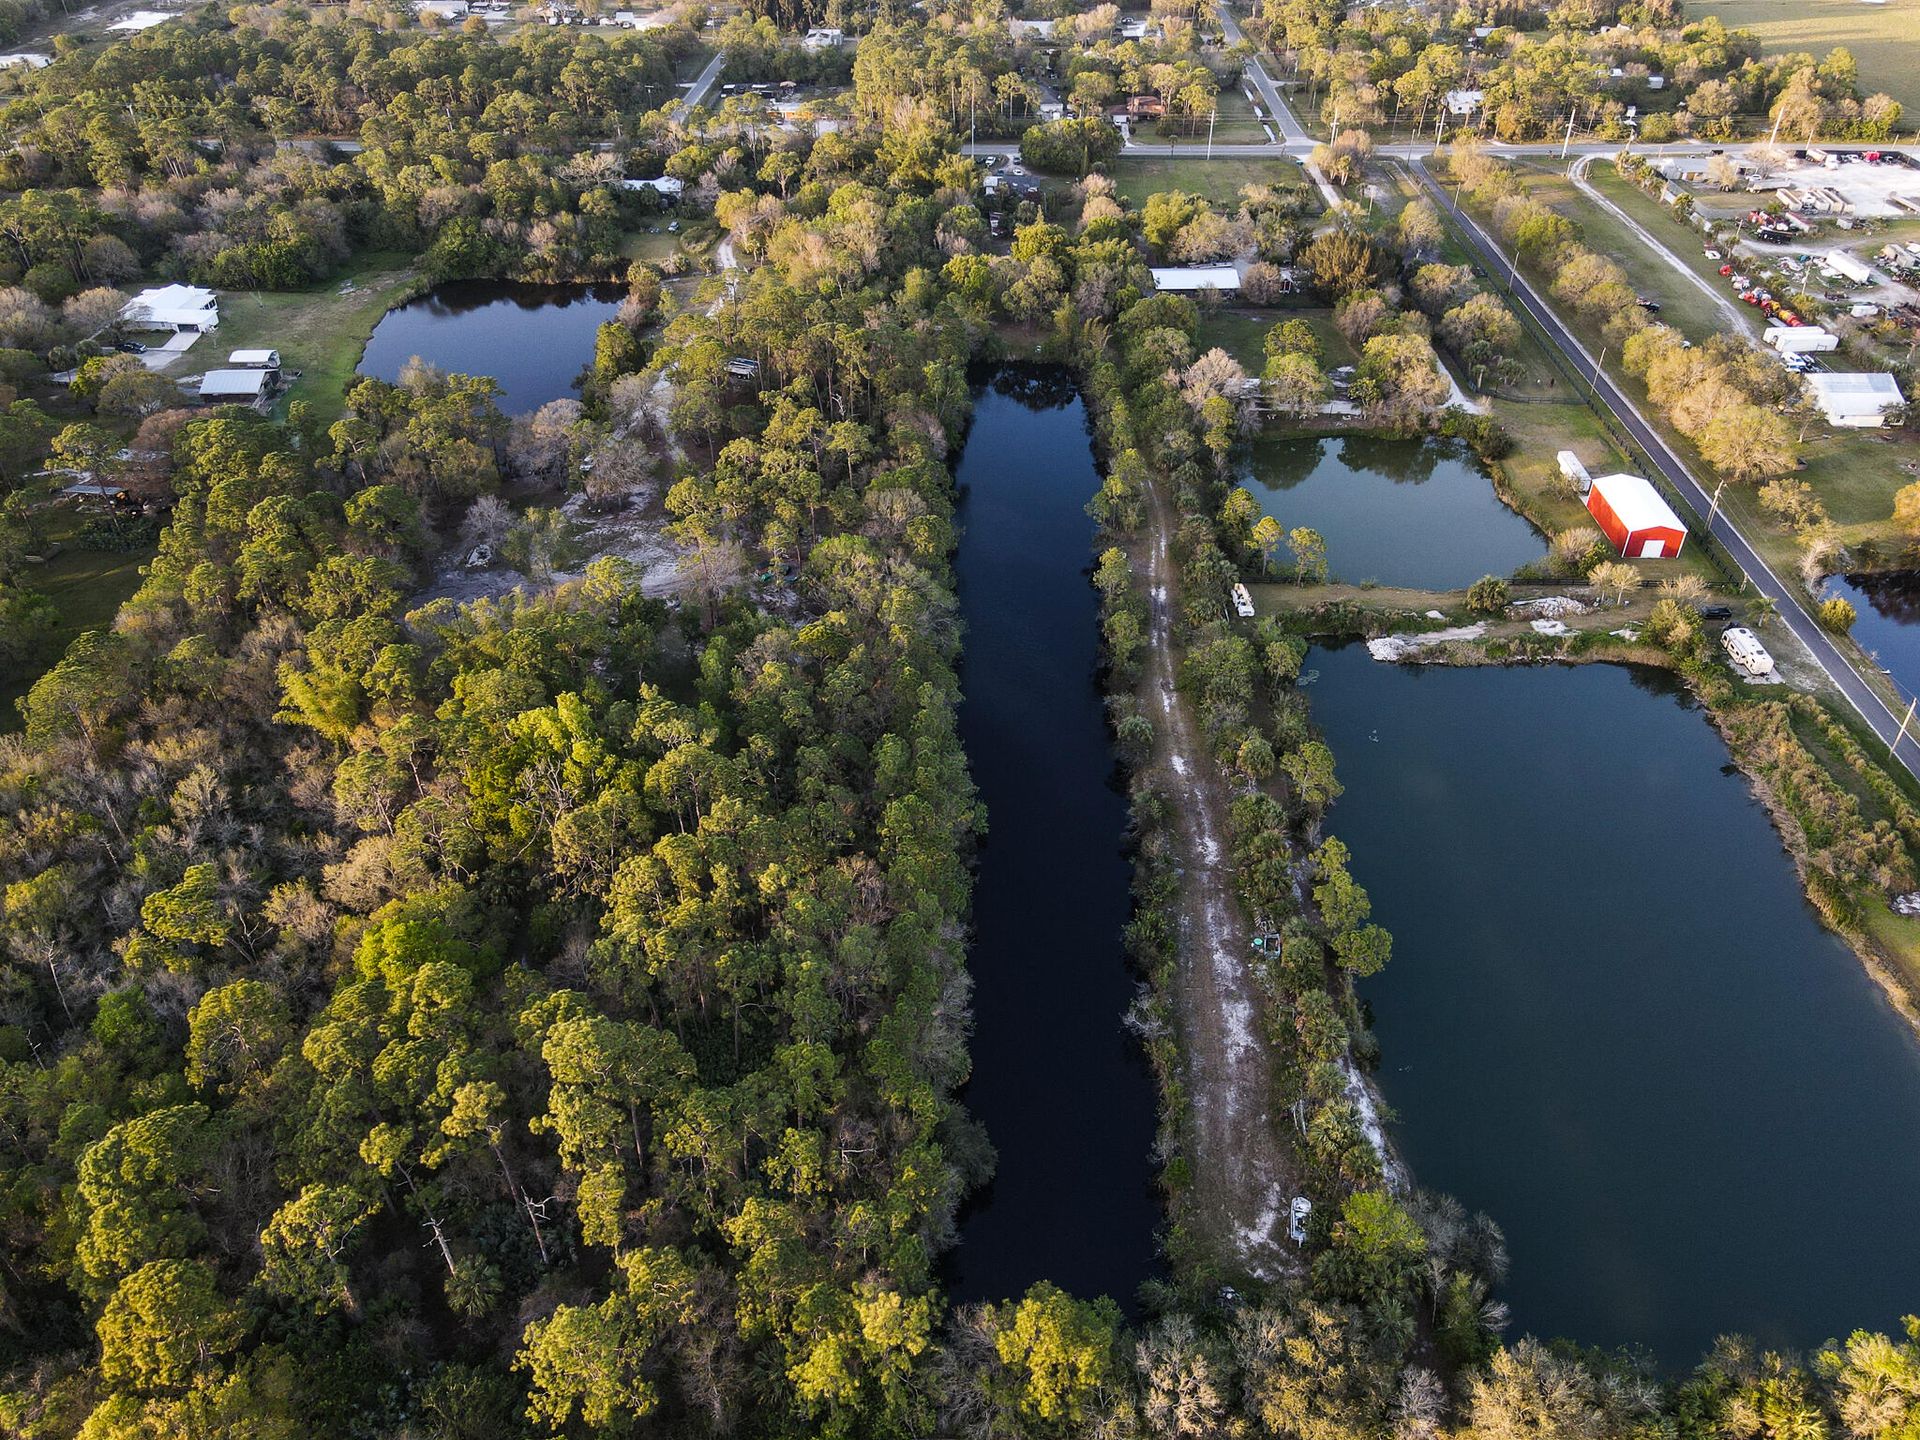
{"x":1887,"y":620}
{"x":533,"y":339}
{"x":1399,"y":512}
{"x":1611,"y":1021}
{"x":1062,"y":1090}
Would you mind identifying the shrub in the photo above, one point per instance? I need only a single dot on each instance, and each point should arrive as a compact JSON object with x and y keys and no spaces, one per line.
{"x":1488,"y":595}
{"x":1837,"y":614}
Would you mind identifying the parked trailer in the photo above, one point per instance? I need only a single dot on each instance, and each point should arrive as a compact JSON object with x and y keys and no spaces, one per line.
{"x":1800,"y":339}
{"x":1743,"y":647}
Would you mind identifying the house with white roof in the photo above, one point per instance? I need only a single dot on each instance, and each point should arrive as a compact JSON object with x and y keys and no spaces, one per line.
{"x":1855,"y":402}
{"x":173,"y":307}
{"x":1188,"y":278}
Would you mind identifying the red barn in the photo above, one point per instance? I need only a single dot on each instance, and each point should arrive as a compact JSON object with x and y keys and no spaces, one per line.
{"x":1640,"y":524}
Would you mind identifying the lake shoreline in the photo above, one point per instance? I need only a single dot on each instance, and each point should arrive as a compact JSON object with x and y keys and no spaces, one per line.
{"x":1902,"y":991}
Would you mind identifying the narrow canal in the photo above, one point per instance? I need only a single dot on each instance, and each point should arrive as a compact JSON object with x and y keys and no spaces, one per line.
{"x":534,"y":339}
{"x":1611,"y":1021}
{"x":1396,"y":512}
{"x":1062,"y":1089}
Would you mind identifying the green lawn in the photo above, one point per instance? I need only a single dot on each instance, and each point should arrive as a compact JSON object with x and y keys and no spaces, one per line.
{"x":1884,"y":39}
{"x":86,"y":588}
{"x":1682,"y":304}
{"x":1243,"y":335}
{"x":319,"y":332}
{"x":1217,"y":181}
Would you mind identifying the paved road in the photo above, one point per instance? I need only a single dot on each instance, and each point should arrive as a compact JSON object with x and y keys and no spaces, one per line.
{"x":1290,"y":131}
{"x":1792,"y":609}
{"x":701,"y":85}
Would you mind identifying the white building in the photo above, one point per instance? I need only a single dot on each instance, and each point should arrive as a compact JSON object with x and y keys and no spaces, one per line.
{"x":1031,"y":29}
{"x":442,"y":9}
{"x":665,"y":186}
{"x":1855,"y":402}
{"x":254,"y":360}
{"x":1573,"y":470}
{"x":31,"y":61}
{"x":140,"y":20}
{"x":173,"y":307}
{"x":823,"y":38}
{"x":1223,"y":278}
{"x":1464,"y":102}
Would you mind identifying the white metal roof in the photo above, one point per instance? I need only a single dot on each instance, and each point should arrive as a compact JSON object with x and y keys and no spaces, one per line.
{"x":234,"y":382}
{"x":172,"y":304}
{"x":1636,"y":503}
{"x":1856,"y":391}
{"x":1196,"y":277}
{"x":245,"y":358}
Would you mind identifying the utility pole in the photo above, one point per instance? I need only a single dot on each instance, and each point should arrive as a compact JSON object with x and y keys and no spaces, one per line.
{"x":1568,"y":142}
{"x":1714,"y":507}
{"x":1210,"y":123}
{"x":1905,"y":721}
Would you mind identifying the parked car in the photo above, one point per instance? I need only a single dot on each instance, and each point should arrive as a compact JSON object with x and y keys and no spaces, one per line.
{"x":131,"y":347}
{"x":1297,"y":1219}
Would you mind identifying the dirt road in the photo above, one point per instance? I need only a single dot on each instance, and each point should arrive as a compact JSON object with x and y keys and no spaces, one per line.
{"x":1243,"y":1172}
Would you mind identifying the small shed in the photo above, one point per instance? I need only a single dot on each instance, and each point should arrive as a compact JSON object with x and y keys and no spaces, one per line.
{"x":254,"y":359}
{"x":245,"y":386}
{"x":1573,"y":470}
{"x":1631,"y":513}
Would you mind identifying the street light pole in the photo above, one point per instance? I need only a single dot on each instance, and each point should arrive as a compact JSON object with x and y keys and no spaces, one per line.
{"x":1713,"y":508}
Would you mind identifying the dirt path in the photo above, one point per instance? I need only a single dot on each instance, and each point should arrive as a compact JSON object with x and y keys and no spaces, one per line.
{"x":1243,"y":1170}
{"x":1737,"y":318}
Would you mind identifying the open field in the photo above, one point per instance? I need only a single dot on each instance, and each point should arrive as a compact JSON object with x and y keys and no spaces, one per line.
{"x":1884,"y":39}
{"x":318,"y":332}
{"x":1217,"y":181}
{"x":1243,"y":334}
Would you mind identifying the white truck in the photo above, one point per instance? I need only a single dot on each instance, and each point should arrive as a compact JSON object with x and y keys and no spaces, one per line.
{"x":1743,"y":647}
{"x":1800,"y":339}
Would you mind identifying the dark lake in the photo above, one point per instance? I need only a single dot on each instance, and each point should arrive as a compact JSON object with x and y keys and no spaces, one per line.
{"x":1887,"y":606}
{"x":1611,"y":1021}
{"x":1062,"y":1089}
{"x":1399,"y":512}
{"x":533,"y":339}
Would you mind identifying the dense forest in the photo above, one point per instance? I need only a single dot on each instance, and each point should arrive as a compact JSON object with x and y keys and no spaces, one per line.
{"x":544,"y":1015}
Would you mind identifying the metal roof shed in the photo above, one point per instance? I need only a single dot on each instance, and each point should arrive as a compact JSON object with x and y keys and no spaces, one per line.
{"x":1641,"y":525}
{"x":235,"y":384}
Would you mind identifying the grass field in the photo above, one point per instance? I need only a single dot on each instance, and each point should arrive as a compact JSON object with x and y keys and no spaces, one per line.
{"x":1884,"y":39}
{"x":1243,"y":335}
{"x":318,"y":332}
{"x":1217,"y":181}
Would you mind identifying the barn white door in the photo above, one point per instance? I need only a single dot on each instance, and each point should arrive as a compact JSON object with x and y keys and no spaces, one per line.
{"x":1653,"y":549}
